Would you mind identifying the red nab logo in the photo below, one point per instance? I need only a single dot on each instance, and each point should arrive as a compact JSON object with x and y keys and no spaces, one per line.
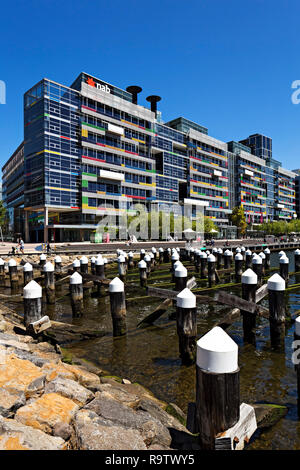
{"x":90,"y":82}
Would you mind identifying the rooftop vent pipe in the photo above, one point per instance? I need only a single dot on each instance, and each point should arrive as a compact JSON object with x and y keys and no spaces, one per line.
{"x":134,"y":90}
{"x":153,"y":99}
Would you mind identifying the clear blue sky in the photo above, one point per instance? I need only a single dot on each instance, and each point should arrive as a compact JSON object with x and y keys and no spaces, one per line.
{"x":226,"y":64}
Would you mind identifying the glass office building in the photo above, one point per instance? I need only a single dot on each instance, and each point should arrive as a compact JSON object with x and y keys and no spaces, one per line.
{"x":90,"y":150}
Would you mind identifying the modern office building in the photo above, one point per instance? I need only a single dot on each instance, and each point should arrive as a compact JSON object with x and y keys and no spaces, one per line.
{"x":91,"y":150}
{"x":13,"y":191}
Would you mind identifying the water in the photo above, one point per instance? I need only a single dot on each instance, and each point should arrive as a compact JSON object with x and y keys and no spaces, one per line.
{"x":149,"y":355}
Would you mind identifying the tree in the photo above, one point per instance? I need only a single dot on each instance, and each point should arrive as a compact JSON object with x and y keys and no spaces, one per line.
{"x":209,"y":225}
{"x":237,"y":218}
{"x":3,"y":218}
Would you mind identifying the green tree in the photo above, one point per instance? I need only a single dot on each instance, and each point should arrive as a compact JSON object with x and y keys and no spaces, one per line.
{"x":209,"y":225}
{"x":237,"y":218}
{"x":3,"y":218}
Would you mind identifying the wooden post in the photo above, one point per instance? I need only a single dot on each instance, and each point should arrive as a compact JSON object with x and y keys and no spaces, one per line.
{"x":192,"y":254}
{"x":263,"y":258}
{"x":257,"y":267}
{"x":76,"y":265}
{"x":267,"y":252}
{"x":211,"y":269}
{"x":152,"y":259}
{"x":180,"y":277}
{"x":186,"y":325}
{"x":142,"y":254}
{"x":161,"y":254}
{"x":130,"y":260}
{"x":142,"y":265}
{"x":203,"y":264}
{"x":93,"y":261}
{"x":100,"y":272}
{"x":227,"y":259}
{"x":297,"y":260}
{"x":276,"y":288}
{"x":122,"y":267}
{"x":284,"y":267}
{"x":219,"y":258}
{"x":84,"y":265}
{"x":297,"y":364}
{"x":217,"y":386}
{"x":147,"y":260}
{"x":2,"y":272}
{"x":49,"y":282}
{"x":57,"y":264}
{"x":117,"y":306}
{"x":76,"y":290}
{"x":166,"y":255}
{"x":43,"y":258}
{"x":248,"y":258}
{"x":32,"y":299}
{"x":153,"y":249}
{"x":243,"y":251}
{"x":249,"y":287}
{"x":27,"y":273}
{"x":238,"y":265}
{"x":13,"y":274}
{"x":197,"y":260}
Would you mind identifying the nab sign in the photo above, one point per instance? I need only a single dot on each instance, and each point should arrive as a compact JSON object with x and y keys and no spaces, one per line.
{"x":99,"y":86}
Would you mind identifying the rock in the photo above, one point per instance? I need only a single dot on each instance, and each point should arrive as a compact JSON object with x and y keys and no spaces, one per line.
{"x":62,"y":430}
{"x":69,"y":389}
{"x":16,"y":436}
{"x":10,"y":402}
{"x":68,"y":371}
{"x":133,"y":389}
{"x":165,"y":418}
{"x":175,"y":411}
{"x":268,"y":414}
{"x":17,"y":376}
{"x":64,"y":333}
{"x":5,"y":326}
{"x":119,"y":414}
{"x":47,"y":411}
{"x":94,"y":433}
{"x":126,"y":382}
{"x":118,"y":394}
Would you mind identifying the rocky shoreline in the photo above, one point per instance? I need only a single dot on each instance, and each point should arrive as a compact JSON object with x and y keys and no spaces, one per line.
{"x":48,"y":404}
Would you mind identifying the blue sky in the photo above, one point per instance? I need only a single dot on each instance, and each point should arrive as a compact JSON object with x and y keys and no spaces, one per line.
{"x":226,"y":64}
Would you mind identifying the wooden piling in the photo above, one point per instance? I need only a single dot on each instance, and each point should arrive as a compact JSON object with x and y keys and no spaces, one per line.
{"x":267,"y":252}
{"x":249,"y":287}
{"x":49,"y":282}
{"x":284,"y":267}
{"x":180,"y":275}
{"x":211,"y":269}
{"x":57,"y":264}
{"x":32,"y":299}
{"x":203,"y":264}
{"x":257,"y":267}
{"x":117,"y":306}
{"x":238,"y":266}
{"x":142,"y":265}
{"x":13,"y":274}
{"x":27,"y":273}
{"x":186,"y":325}
{"x":276,"y":294}
{"x":76,"y":291}
{"x":76,"y":265}
{"x":84,"y":265}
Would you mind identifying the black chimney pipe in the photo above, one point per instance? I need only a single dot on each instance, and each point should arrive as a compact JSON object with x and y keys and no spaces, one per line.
{"x":153,"y":99}
{"x":134,"y":90}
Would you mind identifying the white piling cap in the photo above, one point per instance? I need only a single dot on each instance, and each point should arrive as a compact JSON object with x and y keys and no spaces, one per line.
{"x":93,"y":259}
{"x":243,"y":248}
{"x":178,"y":249}
{"x":267,"y":251}
{"x":151,"y":255}
{"x":175,"y":256}
{"x":27,"y":267}
{"x":48,"y":267}
{"x":99,"y":261}
{"x":169,"y":250}
{"x":217,"y":352}
{"x":12,"y":262}
{"x":121,"y":259}
{"x":32,"y":290}
{"x":76,"y":278}
{"x":249,"y":277}
{"x":130,"y":254}
{"x":192,"y":250}
{"x":281,"y":253}
{"x":142,"y":264}
{"x":180,"y":271}
{"x":203,"y":254}
{"x":147,"y":258}
{"x":215,"y":250}
{"x":76,"y":263}
{"x":211,"y":258}
{"x":186,"y":299}
{"x":57,"y":259}
{"x":256,"y":259}
{"x":238,"y":250}
{"x":284,"y":260}
{"x":160,"y":250}
{"x":220,"y":250}
{"x":105,"y":260}
{"x":177,"y":263}
{"x":43,"y":256}
{"x":238,"y":257}
{"x":142,"y":251}
{"x":228,"y":253}
{"x":262,"y":255}
{"x":84,"y":260}
{"x":116,"y":285}
{"x":153,"y":249}
{"x":276,"y":283}
{"x":248,"y":252}
{"x":207,"y":252}
{"x":297,"y":326}
{"x":1,"y":262}
{"x":297,"y":252}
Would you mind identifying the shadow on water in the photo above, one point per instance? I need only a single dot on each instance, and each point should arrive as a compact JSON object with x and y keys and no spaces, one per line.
{"x":150,"y":355}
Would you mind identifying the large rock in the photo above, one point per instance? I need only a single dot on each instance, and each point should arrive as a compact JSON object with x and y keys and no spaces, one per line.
{"x":94,"y":433}
{"x":67,"y":371}
{"x":17,"y":376}
{"x":16,"y":436}
{"x":69,"y":389}
{"x":10,"y":402}
{"x":47,"y":411}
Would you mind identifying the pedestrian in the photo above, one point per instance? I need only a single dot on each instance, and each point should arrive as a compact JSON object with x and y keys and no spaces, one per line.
{"x":48,"y":248}
{"x":21,"y":246}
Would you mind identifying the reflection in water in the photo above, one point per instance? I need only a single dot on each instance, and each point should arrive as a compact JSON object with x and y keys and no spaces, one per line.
{"x":150,"y":355}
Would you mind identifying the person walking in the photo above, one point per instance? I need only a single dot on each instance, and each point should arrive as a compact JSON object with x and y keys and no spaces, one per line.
{"x":22,"y":245}
{"x":48,"y":248}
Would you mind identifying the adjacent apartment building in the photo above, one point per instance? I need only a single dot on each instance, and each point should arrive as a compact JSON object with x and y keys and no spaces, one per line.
{"x":90,"y":150}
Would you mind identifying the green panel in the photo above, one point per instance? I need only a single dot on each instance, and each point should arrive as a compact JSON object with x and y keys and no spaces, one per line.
{"x":85,"y":183}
